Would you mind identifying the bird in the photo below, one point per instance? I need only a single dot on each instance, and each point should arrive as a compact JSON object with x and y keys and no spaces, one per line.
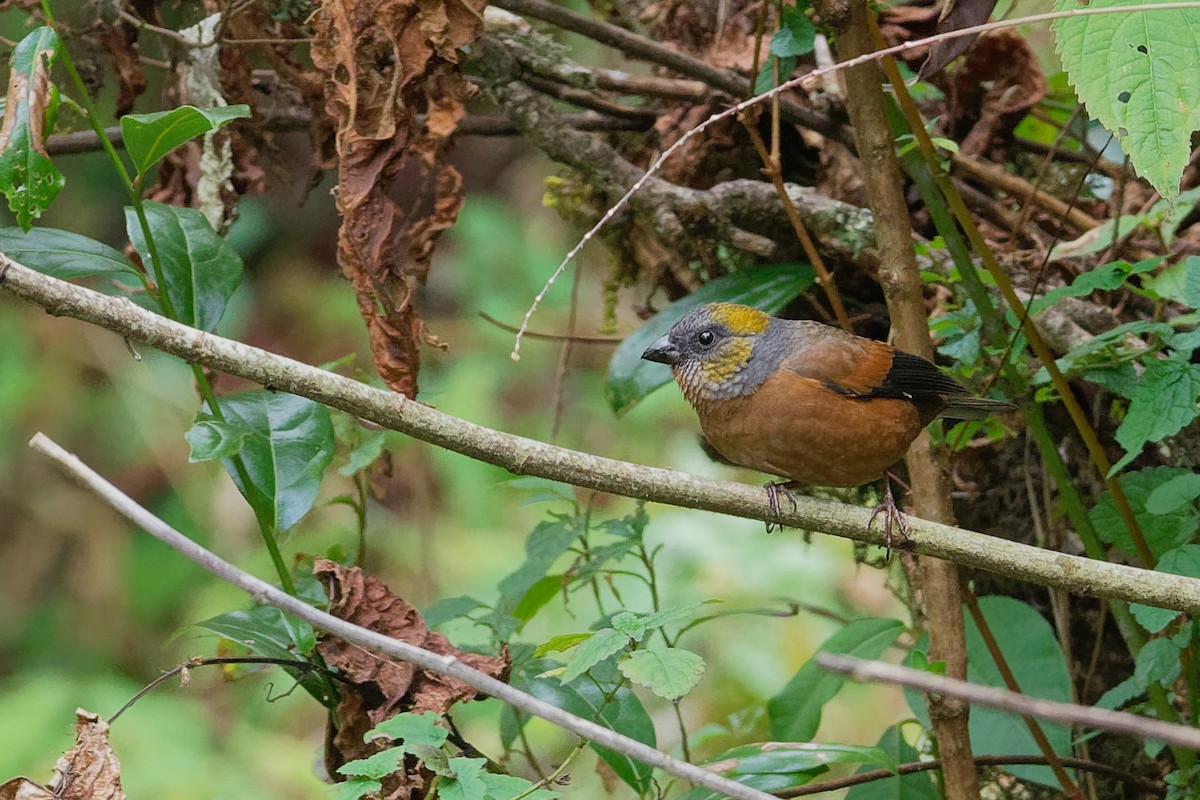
{"x":807,"y":402}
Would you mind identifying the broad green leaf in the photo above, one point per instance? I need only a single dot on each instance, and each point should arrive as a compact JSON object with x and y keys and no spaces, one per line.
{"x":796,"y":711}
{"x":1157,"y":662}
{"x":285,"y":454}
{"x":1191,"y":281}
{"x":672,"y":616}
{"x":795,"y":37}
{"x":772,"y":766}
{"x":1029,"y":646}
{"x":561,"y":643}
{"x":1163,"y":531}
{"x":538,"y":596}
{"x":1119,"y":695}
{"x":601,"y":645}
{"x":549,"y":540}
{"x":1135,"y":74}
{"x":1174,"y":494}
{"x":364,"y":455}
{"x":411,"y":729}
{"x":630,"y":378}
{"x":149,"y":137}
{"x":1184,"y":560}
{"x":212,"y":439}
{"x":669,"y":673}
{"x":354,"y":789}
{"x":508,"y":787}
{"x":267,"y":631}
{"x":916,"y":786}
{"x":765,"y":80}
{"x":375,"y":766}
{"x":27,"y":178}
{"x":624,"y":713}
{"x":450,"y":608}
{"x":62,"y":254}
{"x":1163,"y":404}
{"x":200,"y":268}
{"x":467,"y":783}
{"x":629,"y":624}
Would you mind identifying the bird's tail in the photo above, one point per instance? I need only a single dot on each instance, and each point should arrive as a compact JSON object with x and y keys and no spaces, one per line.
{"x":974,"y":407}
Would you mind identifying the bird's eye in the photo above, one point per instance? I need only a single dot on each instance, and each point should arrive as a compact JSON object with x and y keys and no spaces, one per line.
{"x":706,"y":338}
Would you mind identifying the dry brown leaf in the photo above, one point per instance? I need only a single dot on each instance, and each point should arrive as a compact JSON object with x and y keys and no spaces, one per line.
{"x":90,"y":770}
{"x":383,"y":687}
{"x":24,"y":789}
{"x":121,"y":43}
{"x":385,"y":62}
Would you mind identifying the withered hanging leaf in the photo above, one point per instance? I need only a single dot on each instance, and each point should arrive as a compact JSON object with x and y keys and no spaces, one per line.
{"x":121,"y":42}
{"x":956,"y":15}
{"x":90,"y":770}
{"x":386,"y":62}
{"x":24,"y":789}
{"x":382,"y":687}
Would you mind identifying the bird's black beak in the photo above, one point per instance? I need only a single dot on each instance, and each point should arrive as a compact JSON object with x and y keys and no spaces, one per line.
{"x":662,"y":351}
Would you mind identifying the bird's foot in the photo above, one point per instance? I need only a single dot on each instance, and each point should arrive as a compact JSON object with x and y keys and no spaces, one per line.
{"x":774,"y":490}
{"x":895,"y":529}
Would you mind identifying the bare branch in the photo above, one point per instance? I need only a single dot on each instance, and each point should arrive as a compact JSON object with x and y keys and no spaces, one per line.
{"x":1063,"y":713}
{"x":523,"y":456}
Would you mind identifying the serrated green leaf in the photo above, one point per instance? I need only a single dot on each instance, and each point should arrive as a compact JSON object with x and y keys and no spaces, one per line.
{"x":623,"y":713}
{"x":211,"y":439}
{"x":630,"y":378}
{"x":375,"y":766}
{"x":672,"y":616}
{"x":434,"y":758}
{"x":508,"y":787}
{"x":1173,"y":494}
{"x":411,"y":729}
{"x":1163,"y":404}
{"x":796,"y":711}
{"x":602,"y":644}
{"x":467,"y":783}
{"x":150,"y":137}
{"x":1191,"y":281}
{"x":27,"y":177}
{"x":1163,"y":531}
{"x":1134,"y":73}
{"x":62,"y":254}
{"x":669,"y":673}
{"x":289,"y":445}
{"x":354,"y":789}
{"x":1157,"y":662}
{"x":200,"y":268}
{"x":1029,"y":646}
{"x":629,"y":624}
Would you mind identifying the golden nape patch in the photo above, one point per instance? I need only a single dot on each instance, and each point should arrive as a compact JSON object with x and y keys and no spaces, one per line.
{"x":741,"y":320}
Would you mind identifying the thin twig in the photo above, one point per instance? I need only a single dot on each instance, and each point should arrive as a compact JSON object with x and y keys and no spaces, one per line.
{"x":263,"y":592}
{"x":858,"y":669}
{"x":552,"y":337}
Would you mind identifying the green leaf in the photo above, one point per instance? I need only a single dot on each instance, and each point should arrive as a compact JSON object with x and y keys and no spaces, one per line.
{"x":624,"y":714}
{"x":601,"y":645}
{"x":795,"y":37}
{"x":365,"y":454}
{"x":1183,"y":560}
{"x":630,"y":378}
{"x":772,"y":766}
{"x":538,"y":596}
{"x":1163,"y":531}
{"x":629,"y":624}
{"x":671,"y":616}
{"x":1119,"y":695}
{"x":765,"y":80}
{"x":354,"y":789}
{"x":507,"y":787}
{"x":1157,"y":662}
{"x":467,"y":783}
{"x":1029,"y":646}
{"x":916,"y":786}
{"x":267,"y":631}
{"x":669,"y":673}
{"x":27,"y":178}
{"x":561,"y":643}
{"x":411,"y":729}
{"x":1191,"y":281}
{"x":200,"y":268}
{"x":1174,"y":494}
{"x":549,"y":540}
{"x":450,"y":608}
{"x":1134,"y":74}
{"x":796,"y":711}
{"x":376,"y":766}
{"x":1163,"y":404}
{"x":62,"y":254}
{"x":149,"y":137}
{"x":212,"y":439}
{"x":285,"y":454}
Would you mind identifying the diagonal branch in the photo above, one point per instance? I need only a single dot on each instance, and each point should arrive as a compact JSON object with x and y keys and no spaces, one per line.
{"x":263,"y":592}
{"x":523,"y":456}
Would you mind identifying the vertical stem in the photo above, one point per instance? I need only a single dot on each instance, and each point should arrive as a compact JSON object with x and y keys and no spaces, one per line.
{"x":901,"y":281}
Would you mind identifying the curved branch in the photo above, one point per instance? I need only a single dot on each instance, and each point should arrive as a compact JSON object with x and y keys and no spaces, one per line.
{"x":524,"y":456}
{"x":263,"y":592}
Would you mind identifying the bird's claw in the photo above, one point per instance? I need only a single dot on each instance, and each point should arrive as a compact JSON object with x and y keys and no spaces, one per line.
{"x":774,"y":490}
{"x":895,"y":529}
